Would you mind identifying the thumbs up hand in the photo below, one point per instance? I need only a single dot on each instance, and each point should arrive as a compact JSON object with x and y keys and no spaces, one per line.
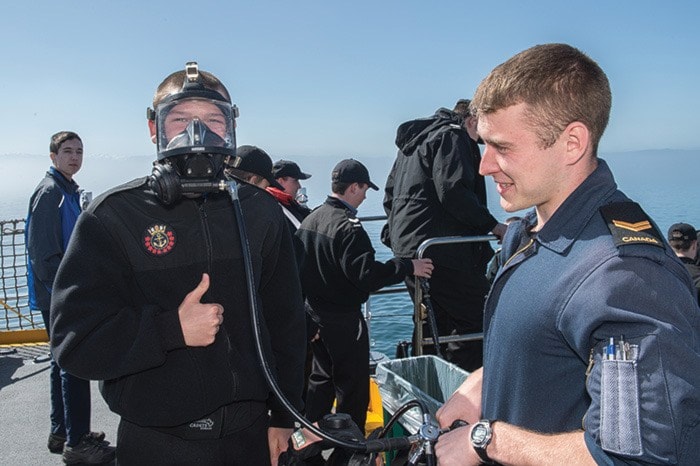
{"x":200,"y":322}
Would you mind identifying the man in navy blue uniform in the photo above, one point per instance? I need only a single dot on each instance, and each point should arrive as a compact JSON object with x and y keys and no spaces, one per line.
{"x":592,"y":332}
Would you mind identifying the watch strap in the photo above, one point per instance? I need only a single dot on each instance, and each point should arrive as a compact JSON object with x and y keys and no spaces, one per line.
{"x":481,"y":450}
{"x":483,"y":455}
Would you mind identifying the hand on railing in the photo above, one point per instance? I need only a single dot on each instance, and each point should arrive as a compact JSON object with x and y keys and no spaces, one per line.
{"x":422,"y":267}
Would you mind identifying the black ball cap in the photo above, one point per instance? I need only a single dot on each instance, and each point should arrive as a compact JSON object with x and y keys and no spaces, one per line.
{"x":256,"y":161}
{"x":682,"y":232}
{"x":352,"y":171}
{"x":283,"y":168}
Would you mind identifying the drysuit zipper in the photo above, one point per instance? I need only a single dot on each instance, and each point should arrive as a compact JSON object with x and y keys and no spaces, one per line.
{"x":207,"y":238}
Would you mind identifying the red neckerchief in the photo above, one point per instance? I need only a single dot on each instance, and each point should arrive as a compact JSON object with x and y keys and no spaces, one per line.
{"x":281,"y":196}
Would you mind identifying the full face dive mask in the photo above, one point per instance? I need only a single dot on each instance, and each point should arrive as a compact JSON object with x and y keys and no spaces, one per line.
{"x":195,"y":136}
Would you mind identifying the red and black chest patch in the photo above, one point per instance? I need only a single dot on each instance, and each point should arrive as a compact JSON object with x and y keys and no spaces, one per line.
{"x":159,"y":239}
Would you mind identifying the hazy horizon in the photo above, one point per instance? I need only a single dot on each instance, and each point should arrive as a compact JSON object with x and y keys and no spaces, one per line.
{"x":662,"y":181}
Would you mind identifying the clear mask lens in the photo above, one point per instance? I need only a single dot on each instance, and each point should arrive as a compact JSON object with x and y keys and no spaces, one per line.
{"x":196,"y":134}
{"x":195,"y":125}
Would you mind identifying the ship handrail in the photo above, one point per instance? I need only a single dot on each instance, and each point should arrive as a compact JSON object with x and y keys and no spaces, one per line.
{"x":20,"y":324}
{"x":419,"y":340}
{"x":14,"y":259}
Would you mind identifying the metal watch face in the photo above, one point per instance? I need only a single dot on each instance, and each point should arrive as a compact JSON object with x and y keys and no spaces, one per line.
{"x":298,"y":438}
{"x":479,"y":434}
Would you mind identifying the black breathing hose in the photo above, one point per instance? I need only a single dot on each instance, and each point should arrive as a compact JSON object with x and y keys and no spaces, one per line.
{"x":366,"y":447}
{"x":425,"y":287}
{"x":400,"y":412}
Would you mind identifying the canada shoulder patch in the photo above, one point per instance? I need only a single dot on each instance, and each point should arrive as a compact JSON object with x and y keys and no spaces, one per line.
{"x":159,"y":239}
{"x":629,"y":224}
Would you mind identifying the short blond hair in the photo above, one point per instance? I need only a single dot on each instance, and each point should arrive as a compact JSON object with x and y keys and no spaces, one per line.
{"x":558,"y":83}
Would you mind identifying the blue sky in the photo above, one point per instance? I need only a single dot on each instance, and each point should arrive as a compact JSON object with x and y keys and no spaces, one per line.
{"x":325,"y":78}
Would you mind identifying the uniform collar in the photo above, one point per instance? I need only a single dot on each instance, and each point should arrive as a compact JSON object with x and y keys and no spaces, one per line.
{"x":573,"y":215}
{"x":66,"y":185}
{"x":337,"y":202}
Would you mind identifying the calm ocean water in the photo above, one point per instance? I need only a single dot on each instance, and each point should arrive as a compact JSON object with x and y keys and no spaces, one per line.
{"x":664,"y":182}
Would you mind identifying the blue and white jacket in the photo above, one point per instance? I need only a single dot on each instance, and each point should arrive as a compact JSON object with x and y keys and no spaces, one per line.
{"x":53,"y":210}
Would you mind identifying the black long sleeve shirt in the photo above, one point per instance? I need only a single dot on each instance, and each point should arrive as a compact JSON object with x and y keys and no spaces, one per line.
{"x":339,"y":269}
{"x":129,"y":266}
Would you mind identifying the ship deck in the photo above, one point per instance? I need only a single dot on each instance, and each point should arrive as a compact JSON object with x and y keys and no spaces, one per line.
{"x":25,"y":407}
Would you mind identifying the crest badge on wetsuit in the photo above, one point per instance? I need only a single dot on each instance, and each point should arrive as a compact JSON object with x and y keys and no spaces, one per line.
{"x":159,"y":239}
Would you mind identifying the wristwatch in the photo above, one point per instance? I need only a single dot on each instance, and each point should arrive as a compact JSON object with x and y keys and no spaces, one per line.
{"x":481,"y":437}
{"x":299,"y":439}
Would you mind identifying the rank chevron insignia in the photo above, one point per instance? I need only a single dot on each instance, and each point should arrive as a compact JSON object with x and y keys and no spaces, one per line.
{"x":636,"y":221}
{"x":638,"y":226}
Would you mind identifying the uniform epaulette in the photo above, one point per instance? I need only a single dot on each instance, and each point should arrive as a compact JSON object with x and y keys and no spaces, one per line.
{"x":629,"y":224}
{"x":354,"y":221}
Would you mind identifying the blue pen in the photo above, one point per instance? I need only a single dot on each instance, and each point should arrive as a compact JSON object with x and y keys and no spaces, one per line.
{"x":610,"y":349}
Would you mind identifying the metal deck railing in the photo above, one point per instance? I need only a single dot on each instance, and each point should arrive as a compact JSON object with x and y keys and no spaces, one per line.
{"x":418,"y":314}
{"x":18,"y":323}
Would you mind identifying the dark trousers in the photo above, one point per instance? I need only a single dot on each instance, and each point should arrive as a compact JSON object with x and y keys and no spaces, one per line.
{"x":340,"y":368}
{"x":70,"y":401}
{"x":457,"y":297}
{"x":137,"y":445}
